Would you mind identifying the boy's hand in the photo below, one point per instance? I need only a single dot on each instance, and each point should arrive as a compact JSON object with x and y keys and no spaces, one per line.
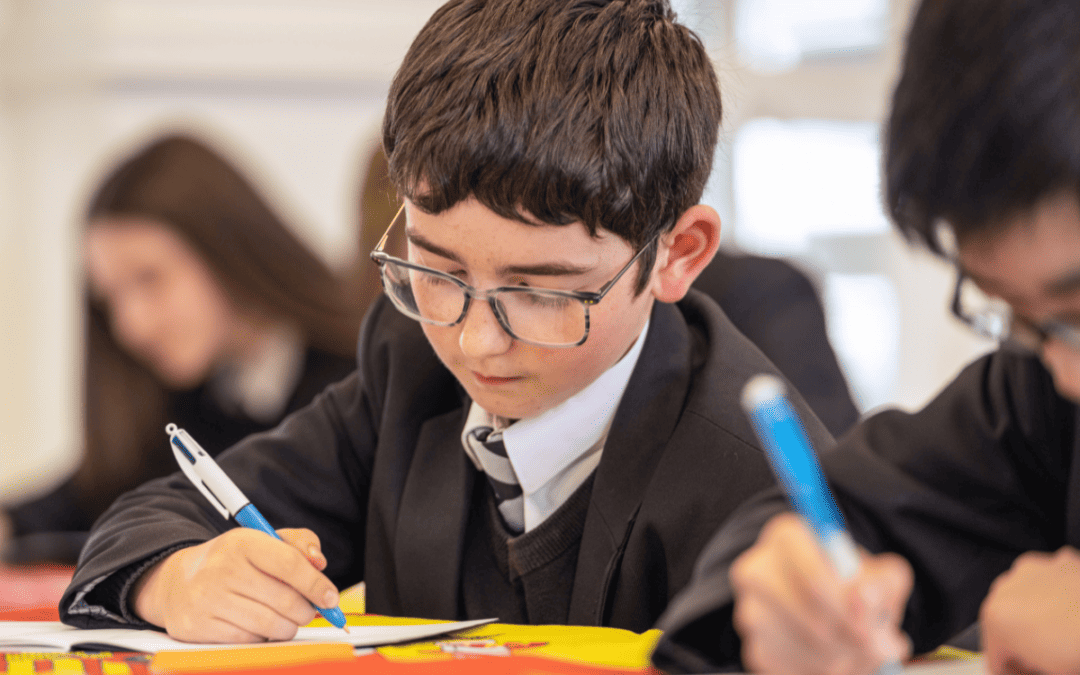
{"x":1031,"y":617}
{"x":241,"y":586}
{"x":796,"y":617}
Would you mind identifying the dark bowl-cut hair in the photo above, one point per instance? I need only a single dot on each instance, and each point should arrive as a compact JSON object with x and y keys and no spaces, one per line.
{"x":985,"y":118}
{"x":558,"y":111}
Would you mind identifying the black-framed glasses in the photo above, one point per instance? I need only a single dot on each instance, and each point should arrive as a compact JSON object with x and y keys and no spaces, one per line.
{"x":538,"y":316}
{"x":994,"y":318}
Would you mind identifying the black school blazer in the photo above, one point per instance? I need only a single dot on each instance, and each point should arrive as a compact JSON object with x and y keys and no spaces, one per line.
{"x":375,"y":467}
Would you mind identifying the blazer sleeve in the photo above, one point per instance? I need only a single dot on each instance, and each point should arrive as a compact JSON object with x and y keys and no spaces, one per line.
{"x":959,"y":489}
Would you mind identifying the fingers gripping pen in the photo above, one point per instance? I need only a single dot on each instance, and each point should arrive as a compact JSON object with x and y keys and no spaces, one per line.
{"x":224,"y":496}
{"x":799,"y":474}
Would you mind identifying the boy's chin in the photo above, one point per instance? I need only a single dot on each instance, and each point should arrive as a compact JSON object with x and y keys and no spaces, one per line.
{"x":513,"y":405}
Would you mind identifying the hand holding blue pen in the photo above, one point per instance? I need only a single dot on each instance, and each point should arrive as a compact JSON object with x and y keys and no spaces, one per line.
{"x":224,"y":496}
{"x":797,"y":470}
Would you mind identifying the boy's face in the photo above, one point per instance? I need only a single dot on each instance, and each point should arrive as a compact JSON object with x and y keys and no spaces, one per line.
{"x":1034,"y":265}
{"x":504,"y":376}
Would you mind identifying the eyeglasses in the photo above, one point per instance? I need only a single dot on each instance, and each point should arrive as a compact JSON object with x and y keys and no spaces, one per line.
{"x":994,"y":318}
{"x":538,"y":316}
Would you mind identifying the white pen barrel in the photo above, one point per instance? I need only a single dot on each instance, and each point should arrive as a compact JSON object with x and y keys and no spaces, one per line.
{"x":213,"y":478}
{"x":223,"y":488}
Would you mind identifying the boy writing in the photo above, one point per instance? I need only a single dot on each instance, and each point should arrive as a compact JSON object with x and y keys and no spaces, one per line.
{"x":970,"y":508}
{"x":535,"y":432}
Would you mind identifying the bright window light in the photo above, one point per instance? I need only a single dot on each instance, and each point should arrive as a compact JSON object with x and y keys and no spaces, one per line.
{"x":801,"y":179}
{"x":863,"y":314}
{"x":775,"y":35}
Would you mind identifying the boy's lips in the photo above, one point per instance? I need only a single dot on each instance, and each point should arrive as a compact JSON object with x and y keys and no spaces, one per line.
{"x":493,"y":380}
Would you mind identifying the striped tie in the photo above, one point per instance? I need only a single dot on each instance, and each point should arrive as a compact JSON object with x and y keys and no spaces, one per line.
{"x":491,"y":453}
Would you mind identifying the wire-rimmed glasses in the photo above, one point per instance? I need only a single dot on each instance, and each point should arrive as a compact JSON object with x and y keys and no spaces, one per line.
{"x":538,"y":316}
{"x":994,"y":318}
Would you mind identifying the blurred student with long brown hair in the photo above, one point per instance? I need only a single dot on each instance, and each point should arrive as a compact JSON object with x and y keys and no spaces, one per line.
{"x":203,"y":309}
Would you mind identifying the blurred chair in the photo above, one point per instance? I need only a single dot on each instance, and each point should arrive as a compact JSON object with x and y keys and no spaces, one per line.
{"x":777,"y":307}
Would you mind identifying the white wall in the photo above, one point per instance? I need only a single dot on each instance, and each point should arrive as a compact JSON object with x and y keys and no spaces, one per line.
{"x":293,"y":87}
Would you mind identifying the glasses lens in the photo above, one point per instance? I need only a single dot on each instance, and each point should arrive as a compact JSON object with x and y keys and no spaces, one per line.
{"x":988,"y":316}
{"x":544,"y":317}
{"x":1024,"y":336}
{"x":993,"y":318}
{"x":1067,"y":332}
{"x":427,"y":296}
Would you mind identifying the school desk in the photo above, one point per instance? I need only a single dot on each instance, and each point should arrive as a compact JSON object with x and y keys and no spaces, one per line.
{"x":32,"y":594}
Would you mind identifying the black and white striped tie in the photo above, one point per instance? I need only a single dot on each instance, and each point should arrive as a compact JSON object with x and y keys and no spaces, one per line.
{"x":491,"y":453}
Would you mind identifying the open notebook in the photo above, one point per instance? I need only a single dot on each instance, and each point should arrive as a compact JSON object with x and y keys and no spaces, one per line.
{"x":53,"y":636}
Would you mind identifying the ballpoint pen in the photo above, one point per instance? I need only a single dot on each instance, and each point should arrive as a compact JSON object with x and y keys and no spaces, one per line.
{"x":224,"y":496}
{"x":799,"y":474}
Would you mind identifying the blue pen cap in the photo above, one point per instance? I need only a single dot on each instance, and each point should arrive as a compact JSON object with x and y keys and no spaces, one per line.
{"x":790,"y":454}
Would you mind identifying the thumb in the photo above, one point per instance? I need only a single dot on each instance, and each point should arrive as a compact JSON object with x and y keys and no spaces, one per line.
{"x":896,"y":579}
{"x":307,"y":542}
{"x":888,"y":584}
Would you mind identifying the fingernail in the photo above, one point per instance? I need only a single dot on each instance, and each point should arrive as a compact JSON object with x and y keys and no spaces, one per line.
{"x":330,"y":599}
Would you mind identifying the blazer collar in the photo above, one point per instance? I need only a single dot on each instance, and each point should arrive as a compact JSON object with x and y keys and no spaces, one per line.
{"x":1072,"y":508}
{"x":431,"y":523}
{"x":646,"y":418}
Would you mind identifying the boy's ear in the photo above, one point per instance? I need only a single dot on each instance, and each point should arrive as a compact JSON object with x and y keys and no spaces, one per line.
{"x":685,"y":251}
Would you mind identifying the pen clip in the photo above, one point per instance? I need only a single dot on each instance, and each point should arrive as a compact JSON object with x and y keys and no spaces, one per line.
{"x":187,"y":452}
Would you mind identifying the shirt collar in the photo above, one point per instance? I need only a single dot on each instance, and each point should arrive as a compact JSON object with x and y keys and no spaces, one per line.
{"x":261,"y":386}
{"x":540,"y":447}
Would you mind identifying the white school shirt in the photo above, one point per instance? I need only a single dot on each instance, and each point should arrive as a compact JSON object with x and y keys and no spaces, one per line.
{"x":553,"y":453}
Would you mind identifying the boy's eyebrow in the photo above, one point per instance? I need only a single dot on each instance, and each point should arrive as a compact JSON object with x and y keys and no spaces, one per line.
{"x":544,"y":270}
{"x":550,"y":269}
{"x":1066,"y":284}
{"x":429,"y":246}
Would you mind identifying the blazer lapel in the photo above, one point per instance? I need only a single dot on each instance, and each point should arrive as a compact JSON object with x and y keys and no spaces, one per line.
{"x":432,"y":519}
{"x":647,"y":416}
{"x":1072,"y":491}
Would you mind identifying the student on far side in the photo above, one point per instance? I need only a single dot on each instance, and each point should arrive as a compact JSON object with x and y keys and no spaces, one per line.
{"x":968,"y":509}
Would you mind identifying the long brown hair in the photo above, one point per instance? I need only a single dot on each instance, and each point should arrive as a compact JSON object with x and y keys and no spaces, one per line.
{"x":181,"y":182}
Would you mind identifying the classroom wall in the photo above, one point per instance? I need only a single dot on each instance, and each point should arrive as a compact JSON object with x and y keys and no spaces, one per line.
{"x":295,"y":88}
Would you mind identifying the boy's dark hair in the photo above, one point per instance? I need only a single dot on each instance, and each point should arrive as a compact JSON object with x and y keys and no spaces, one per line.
{"x":603,"y":112}
{"x":986,"y":116}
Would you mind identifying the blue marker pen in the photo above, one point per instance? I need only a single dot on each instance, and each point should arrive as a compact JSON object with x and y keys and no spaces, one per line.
{"x":797,"y":469}
{"x":799,"y":473}
{"x":223,"y":494}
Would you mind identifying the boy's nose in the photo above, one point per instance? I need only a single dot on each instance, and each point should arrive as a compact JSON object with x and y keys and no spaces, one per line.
{"x":481,"y":332}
